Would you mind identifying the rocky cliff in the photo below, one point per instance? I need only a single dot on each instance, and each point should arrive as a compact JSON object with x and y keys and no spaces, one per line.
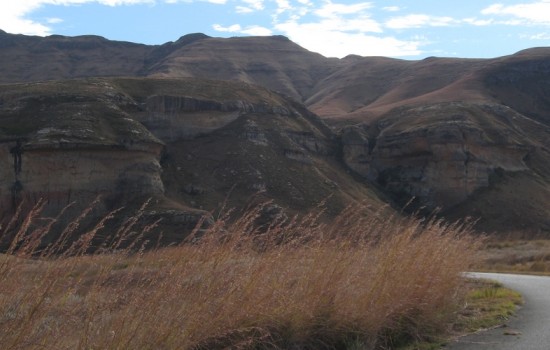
{"x":236,"y":143}
{"x":440,"y":154}
{"x":63,"y":175}
{"x":190,"y":145}
{"x":68,"y":143}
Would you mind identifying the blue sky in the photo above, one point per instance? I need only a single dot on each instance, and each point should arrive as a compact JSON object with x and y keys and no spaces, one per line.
{"x":410,"y":29}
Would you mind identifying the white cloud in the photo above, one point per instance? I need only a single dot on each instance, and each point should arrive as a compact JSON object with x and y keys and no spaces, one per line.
{"x":243,"y":9}
{"x":12,"y":18}
{"x":250,"y":30}
{"x":478,"y":22}
{"x":360,"y":24}
{"x":334,"y":43}
{"x":338,"y":29}
{"x":14,"y":13}
{"x":294,"y":11}
{"x":54,"y":20}
{"x":257,"y":31}
{"x":391,"y":8}
{"x":235,"y":28}
{"x":217,"y":2}
{"x":251,"y":6}
{"x":283,"y":6}
{"x":539,"y":36}
{"x":102,"y":2}
{"x":330,"y":10}
{"x":343,"y":18}
{"x":419,"y":21}
{"x":493,"y":9}
{"x":255,"y":4}
{"x":528,"y":13}
{"x":23,"y":26}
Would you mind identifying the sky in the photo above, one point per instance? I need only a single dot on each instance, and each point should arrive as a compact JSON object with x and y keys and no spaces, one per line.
{"x":408,"y":29}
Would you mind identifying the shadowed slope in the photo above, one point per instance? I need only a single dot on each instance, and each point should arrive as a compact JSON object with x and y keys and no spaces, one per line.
{"x":185,"y":142}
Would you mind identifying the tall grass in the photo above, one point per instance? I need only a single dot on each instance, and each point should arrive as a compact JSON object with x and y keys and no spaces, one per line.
{"x":359,"y":282}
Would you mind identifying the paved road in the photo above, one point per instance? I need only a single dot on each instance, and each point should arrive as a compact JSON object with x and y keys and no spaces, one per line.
{"x":532,"y":321}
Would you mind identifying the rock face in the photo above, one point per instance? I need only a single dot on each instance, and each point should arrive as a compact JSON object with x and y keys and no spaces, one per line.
{"x":269,"y":148}
{"x":356,"y":151}
{"x":440,"y":154}
{"x":67,"y":175}
{"x":67,"y":144}
{"x":171,"y":118}
{"x":130,"y":139}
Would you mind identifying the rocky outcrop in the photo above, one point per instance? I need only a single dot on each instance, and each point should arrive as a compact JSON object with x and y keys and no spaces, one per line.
{"x":69,"y":144}
{"x":254,"y":133}
{"x":310,"y":142}
{"x":355,"y":149}
{"x":175,"y":104}
{"x":76,"y":174}
{"x":442,"y":160}
{"x":185,"y":143}
{"x":171,"y":118}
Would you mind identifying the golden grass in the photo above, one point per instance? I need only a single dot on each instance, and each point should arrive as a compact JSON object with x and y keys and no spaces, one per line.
{"x":359,"y":282}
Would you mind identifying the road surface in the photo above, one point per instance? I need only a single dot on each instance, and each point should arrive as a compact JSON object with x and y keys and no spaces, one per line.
{"x":530,"y":327}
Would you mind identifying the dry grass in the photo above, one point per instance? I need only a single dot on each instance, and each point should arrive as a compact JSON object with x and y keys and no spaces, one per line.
{"x":360,"y":282}
{"x":487,"y":304}
{"x":527,"y":256}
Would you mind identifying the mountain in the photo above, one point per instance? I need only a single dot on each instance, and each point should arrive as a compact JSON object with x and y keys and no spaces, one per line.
{"x":467,"y":136}
{"x":470,"y":137}
{"x":188,"y":145}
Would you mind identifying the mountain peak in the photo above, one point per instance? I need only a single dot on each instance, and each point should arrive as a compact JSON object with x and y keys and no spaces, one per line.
{"x":190,"y":38}
{"x":280,"y":37}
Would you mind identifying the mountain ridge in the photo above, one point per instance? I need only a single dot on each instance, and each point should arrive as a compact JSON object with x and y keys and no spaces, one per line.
{"x":452,"y":133}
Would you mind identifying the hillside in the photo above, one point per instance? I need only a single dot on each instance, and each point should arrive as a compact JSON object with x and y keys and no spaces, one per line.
{"x":469,"y":136}
{"x":193,"y":145}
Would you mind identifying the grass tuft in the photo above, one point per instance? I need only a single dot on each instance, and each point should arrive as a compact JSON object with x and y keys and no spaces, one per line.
{"x":359,"y":282}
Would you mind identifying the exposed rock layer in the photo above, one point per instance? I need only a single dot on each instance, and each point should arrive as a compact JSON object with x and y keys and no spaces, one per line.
{"x":450,"y":132}
{"x":132,"y":139}
{"x":446,"y":159}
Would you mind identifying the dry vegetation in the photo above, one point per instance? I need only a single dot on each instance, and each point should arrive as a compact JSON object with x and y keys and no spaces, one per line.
{"x":359,"y":282}
{"x":515,"y":255}
{"x":487,"y":304}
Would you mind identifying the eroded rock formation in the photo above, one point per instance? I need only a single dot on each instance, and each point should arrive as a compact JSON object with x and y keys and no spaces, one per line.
{"x":440,"y":154}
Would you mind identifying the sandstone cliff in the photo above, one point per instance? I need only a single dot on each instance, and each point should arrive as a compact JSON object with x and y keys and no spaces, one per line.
{"x":440,"y":154}
{"x":190,"y":145}
{"x":70,"y":143}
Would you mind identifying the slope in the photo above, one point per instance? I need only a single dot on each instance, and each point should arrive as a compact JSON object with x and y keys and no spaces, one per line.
{"x":189,"y":144}
{"x":442,"y":130}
